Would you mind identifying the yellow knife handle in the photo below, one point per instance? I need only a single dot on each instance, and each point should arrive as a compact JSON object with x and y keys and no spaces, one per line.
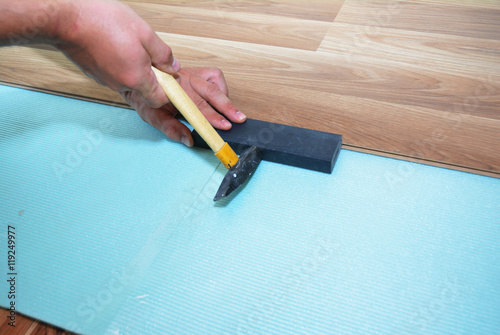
{"x":188,"y":109}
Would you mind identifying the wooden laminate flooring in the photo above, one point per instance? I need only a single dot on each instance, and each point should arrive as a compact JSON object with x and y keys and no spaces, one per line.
{"x":27,"y":326}
{"x":417,"y":80}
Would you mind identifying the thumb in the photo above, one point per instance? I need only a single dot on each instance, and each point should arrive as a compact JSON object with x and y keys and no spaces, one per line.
{"x":161,"y":55}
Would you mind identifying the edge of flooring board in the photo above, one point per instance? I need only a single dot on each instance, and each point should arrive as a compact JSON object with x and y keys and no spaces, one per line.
{"x":372,"y":151}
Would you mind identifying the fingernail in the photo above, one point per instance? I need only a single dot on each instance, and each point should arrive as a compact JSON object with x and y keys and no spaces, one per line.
{"x":185,"y":141}
{"x":176,"y":66}
{"x":225,"y":123}
{"x":240,"y":116}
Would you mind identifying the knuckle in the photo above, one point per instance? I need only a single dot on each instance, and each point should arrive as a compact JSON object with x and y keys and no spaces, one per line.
{"x":153,"y":101}
{"x":145,"y":31}
{"x":168,"y":51}
{"x":212,"y":89}
{"x":202,"y":104}
{"x":228,"y":106}
{"x":130,"y":80}
{"x":168,"y":128}
{"x":216,"y":70}
{"x":166,"y":55}
{"x":158,"y":98}
{"x":216,"y":73}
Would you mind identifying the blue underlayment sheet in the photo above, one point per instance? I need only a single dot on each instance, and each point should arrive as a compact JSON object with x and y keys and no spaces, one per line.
{"x":116,"y":233}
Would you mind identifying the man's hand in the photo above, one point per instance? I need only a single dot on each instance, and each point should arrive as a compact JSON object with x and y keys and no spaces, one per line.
{"x":110,"y":43}
{"x":113,"y":45}
{"x":208,"y":90}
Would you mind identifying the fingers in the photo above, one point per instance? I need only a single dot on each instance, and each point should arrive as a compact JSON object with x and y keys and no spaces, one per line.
{"x":160,"y":53}
{"x":213,"y":75}
{"x":214,"y":118}
{"x":205,"y":86}
{"x":161,"y":57}
{"x":170,"y":126}
{"x":151,"y":91}
{"x":216,"y":98}
{"x":162,"y":119}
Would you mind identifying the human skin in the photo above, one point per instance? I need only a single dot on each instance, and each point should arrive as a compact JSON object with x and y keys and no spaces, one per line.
{"x":110,"y":43}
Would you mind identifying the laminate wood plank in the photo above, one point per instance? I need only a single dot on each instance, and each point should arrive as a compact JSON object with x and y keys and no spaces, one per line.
{"x":319,"y":10}
{"x":260,"y":28}
{"x":429,"y":17}
{"x":28,"y":326}
{"x":368,"y":102}
{"x":470,"y":67}
{"x":22,"y":324}
{"x":488,"y":4}
{"x":373,"y":78}
{"x":48,"y":70}
{"x":436,"y":136}
{"x":328,"y":93}
{"x":3,"y":316}
{"x":420,"y":161}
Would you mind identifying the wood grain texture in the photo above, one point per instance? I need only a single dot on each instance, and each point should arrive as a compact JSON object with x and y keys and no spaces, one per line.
{"x":489,"y":4}
{"x":418,"y":80}
{"x":48,"y":70}
{"x":428,"y":17}
{"x":445,"y":69}
{"x":244,"y":26}
{"x":318,"y":10}
{"x":27,"y":326}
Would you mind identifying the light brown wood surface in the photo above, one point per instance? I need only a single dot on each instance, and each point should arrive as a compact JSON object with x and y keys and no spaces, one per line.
{"x":27,"y":326}
{"x":417,"y":80}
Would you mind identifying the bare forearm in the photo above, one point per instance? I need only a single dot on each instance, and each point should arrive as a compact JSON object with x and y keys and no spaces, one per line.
{"x":32,"y":21}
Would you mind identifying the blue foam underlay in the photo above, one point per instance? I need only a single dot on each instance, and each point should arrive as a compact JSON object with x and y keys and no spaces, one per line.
{"x":116,"y":233}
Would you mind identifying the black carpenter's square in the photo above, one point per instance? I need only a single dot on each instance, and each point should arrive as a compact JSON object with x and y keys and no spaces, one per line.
{"x":300,"y":147}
